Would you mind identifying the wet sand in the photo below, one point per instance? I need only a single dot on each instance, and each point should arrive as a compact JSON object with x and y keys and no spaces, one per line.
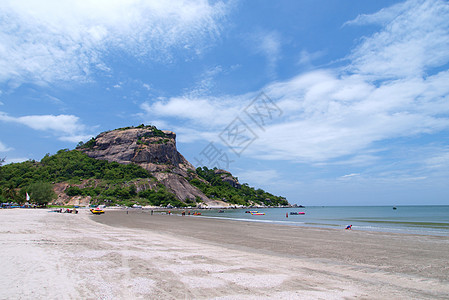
{"x":138,"y":255}
{"x":410,"y":254}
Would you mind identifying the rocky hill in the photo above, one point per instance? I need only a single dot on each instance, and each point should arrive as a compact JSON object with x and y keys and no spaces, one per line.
{"x":154,"y":150}
{"x":134,"y":165}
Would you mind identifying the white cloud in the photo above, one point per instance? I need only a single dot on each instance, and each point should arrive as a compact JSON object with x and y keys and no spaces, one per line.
{"x":53,"y":99}
{"x":45,"y":41}
{"x":306,"y":59}
{"x":4,"y":148}
{"x":188,"y":135}
{"x":15,"y":160}
{"x":268,"y":43}
{"x":259,"y":177}
{"x":66,"y":127}
{"x":439,"y":160}
{"x":349,"y":176}
{"x":213,"y":112}
{"x":413,"y":39}
{"x":327,"y":116}
{"x":160,"y":124}
{"x":332,"y":115}
{"x":383,"y":16}
{"x":206,"y":83}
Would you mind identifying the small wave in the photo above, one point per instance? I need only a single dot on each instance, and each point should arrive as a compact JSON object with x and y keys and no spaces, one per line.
{"x":407,"y":230}
{"x":252,"y":220}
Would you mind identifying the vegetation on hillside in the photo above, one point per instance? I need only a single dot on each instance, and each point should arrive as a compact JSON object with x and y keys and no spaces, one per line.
{"x":41,"y":193}
{"x":154,"y":129}
{"x":216,"y":188}
{"x":71,"y":166}
{"x":153,"y":132}
{"x":107,"y":182}
{"x":113,"y":183}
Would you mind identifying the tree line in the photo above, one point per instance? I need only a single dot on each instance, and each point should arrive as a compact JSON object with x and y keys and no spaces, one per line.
{"x":216,"y":188}
{"x":114,"y":180}
{"x":113,"y":183}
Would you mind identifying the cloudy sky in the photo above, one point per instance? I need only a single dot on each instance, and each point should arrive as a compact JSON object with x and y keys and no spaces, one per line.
{"x":324,"y":102}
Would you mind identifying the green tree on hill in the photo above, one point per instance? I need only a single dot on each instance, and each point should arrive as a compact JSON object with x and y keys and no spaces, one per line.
{"x":9,"y":194}
{"x":71,"y":166}
{"x":215,"y":187}
{"x":114,"y":183}
{"x":40,"y":193}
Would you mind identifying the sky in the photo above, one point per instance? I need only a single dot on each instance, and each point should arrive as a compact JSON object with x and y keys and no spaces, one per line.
{"x":323,"y":102}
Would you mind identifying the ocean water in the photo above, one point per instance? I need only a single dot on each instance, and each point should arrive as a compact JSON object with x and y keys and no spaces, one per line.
{"x":427,"y":220}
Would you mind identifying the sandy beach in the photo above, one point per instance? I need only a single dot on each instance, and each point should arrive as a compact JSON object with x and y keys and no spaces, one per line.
{"x":138,"y":255}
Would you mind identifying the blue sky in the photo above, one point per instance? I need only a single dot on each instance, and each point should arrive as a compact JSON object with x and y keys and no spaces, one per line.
{"x":324,"y":102}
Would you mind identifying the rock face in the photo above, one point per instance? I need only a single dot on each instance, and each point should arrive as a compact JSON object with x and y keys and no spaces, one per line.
{"x":227,"y":177}
{"x":155,"y":151}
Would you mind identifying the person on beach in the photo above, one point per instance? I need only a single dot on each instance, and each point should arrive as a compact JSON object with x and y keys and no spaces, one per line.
{"x":349,"y":227}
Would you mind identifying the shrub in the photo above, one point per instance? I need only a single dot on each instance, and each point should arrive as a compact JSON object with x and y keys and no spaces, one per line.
{"x":73,"y":191}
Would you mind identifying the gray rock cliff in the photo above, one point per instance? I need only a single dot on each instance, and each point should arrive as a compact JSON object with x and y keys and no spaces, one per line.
{"x":155,"y":151}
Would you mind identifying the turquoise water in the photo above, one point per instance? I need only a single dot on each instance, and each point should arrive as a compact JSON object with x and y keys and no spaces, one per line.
{"x":428,"y":220}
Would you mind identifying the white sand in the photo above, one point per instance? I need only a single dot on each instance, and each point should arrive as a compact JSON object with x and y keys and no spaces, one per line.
{"x":48,"y":255}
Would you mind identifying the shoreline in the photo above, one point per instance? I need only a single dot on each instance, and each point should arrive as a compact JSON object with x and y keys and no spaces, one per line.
{"x":115,"y":255}
{"x":345,"y":246}
{"x":377,"y":224}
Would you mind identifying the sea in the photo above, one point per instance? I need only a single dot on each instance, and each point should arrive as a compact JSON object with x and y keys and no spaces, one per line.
{"x":424,"y":220}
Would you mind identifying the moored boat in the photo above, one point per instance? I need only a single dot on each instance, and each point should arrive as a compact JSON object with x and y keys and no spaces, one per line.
{"x":96,"y":211}
{"x":297,"y":213}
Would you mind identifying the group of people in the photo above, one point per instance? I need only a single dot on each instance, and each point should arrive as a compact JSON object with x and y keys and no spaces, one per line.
{"x":67,"y":210}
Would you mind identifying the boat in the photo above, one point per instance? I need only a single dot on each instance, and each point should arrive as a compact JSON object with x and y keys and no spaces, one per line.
{"x":221,"y":211}
{"x":297,"y":213}
{"x":257,"y":214}
{"x":394,"y":207}
{"x":96,"y":211}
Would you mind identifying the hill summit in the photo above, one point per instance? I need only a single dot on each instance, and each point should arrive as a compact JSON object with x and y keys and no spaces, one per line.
{"x":154,"y":150}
